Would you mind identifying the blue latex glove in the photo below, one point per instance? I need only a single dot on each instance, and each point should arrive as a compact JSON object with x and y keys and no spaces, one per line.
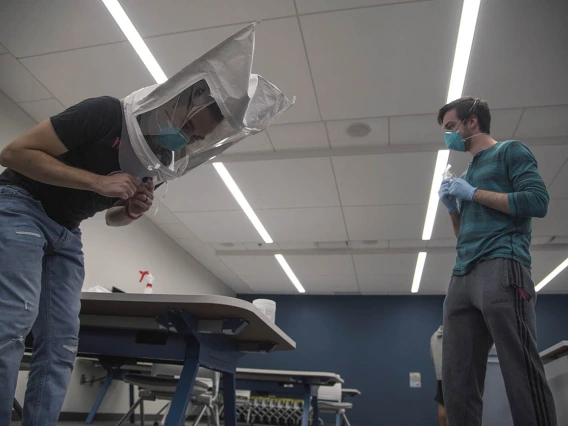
{"x":459,"y":188}
{"x":445,"y":197}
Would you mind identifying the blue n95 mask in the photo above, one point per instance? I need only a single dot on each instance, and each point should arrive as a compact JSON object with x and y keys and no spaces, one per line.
{"x":171,"y":138}
{"x":454,"y":140}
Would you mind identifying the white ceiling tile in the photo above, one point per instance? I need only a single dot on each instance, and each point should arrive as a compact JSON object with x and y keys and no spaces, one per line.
{"x":176,"y":230}
{"x":338,"y":136}
{"x":220,"y":227}
{"x":289,"y":72}
{"x":407,"y":243}
{"x":338,"y":264}
{"x":386,"y":284}
{"x":519,"y":62}
{"x":504,"y":122}
{"x":262,"y":246}
{"x":384,"y":264}
{"x":543,"y":122}
{"x":435,"y":284}
{"x":18,"y":83}
{"x":550,"y":159}
{"x":440,"y":265}
{"x":307,"y":182}
{"x":544,"y":240}
{"x":270,"y":284}
{"x":73,"y":76}
{"x":329,"y":284}
{"x":359,"y":72}
{"x":254,"y":143}
{"x":175,"y":16}
{"x":304,"y":225}
{"x":559,"y":187}
{"x":200,"y":190}
{"x":384,"y":179}
{"x":313,"y":6}
{"x":385,"y":222}
{"x":298,"y":136}
{"x":555,"y":222}
{"x":414,"y":129}
{"x":32,"y":27}
{"x":228,"y":246}
{"x":254,"y":265}
{"x":42,"y":110}
{"x":163,"y":216}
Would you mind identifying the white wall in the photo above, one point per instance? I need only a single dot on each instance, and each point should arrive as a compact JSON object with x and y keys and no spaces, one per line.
{"x":114,"y":257}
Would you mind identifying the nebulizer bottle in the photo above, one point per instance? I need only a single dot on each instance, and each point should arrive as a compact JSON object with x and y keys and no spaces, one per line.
{"x":448,"y":174}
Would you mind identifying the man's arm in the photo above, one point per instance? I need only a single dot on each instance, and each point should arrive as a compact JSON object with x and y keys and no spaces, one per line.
{"x":33,"y":155}
{"x":455,"y":217}
{"x":493,"y":200}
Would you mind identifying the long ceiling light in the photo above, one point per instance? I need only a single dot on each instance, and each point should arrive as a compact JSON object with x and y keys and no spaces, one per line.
{"x":418,"y":271}
{"x":290,"y":273}
{"x":135,"y":40}
{"x":231,"y":184}
{"x":466,"y":31}
{"x":441,"y":162}
{"x":552,"y":275}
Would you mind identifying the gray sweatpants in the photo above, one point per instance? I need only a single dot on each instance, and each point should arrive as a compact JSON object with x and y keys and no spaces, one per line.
{"x":494,"y":303}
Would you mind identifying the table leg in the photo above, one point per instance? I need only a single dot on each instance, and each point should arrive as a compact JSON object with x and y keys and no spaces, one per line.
{"x":100,"y":397}
{"x":178,"y":408}
{"x":131,"y":391}
{"x":315,"y":411}
{"x":229,"y":399}
{"x":306,"y":413}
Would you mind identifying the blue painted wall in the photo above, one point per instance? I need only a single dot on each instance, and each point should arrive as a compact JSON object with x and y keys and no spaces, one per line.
{"x":374,"y":343}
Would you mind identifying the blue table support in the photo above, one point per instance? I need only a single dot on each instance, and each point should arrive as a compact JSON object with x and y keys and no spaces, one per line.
{"x":184,"y":339}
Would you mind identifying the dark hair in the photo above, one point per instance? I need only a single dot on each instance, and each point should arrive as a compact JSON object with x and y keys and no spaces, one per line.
{"x":466,"y":107}
{"x":216,"y":112}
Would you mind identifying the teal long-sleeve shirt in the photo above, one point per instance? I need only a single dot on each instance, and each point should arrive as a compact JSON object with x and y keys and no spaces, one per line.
{"x":507,"y":167}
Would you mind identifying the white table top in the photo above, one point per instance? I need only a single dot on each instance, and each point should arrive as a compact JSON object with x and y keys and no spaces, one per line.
{"x":201,"y":307}
{"x":289,"y":376}
{"x":556,"y":351}
{"x":350,"y":392}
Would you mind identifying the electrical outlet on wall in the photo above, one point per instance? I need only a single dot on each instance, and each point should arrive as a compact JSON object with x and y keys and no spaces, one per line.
{"x":415,"y":380}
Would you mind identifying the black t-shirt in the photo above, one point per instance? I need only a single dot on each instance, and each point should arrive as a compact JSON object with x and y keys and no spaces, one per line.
{"x":91,"y":132}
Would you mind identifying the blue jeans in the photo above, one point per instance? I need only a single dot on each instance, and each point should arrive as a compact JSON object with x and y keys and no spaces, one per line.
{"x":41,"y":276}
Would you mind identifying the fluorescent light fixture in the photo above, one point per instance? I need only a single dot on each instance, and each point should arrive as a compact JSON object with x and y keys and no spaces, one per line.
{"x":290,"y":273}
{"x":228,"y":179}
{"x":441,"y":163}
{"x":418,"y":271}
{"x":466,"y":31}
{"x":135,"y":40}
{"x":552,"y":275}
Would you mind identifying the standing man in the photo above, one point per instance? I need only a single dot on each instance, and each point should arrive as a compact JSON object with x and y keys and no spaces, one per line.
{"x":436,"y":353}
{"x":491,"y":296}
